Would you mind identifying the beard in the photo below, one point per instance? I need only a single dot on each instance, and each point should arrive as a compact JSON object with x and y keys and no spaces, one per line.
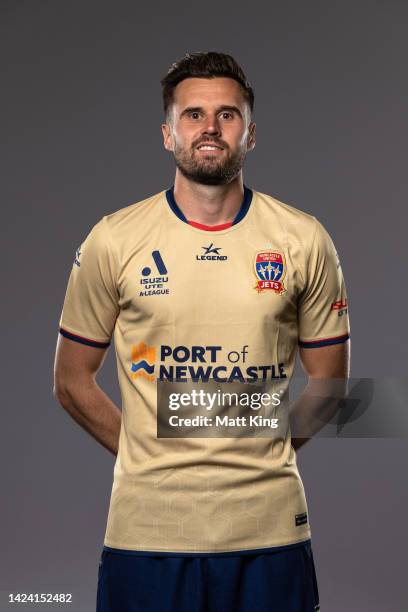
{"x":208,"y":169}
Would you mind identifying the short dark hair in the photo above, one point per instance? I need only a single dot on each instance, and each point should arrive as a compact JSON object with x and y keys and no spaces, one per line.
{"x":204,"y":65}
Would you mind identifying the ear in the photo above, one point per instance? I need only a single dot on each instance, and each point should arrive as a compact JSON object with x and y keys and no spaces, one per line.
{"x":251,"y":136}
{"x":167,"y":137}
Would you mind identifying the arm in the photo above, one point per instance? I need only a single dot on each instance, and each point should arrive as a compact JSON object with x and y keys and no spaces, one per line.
{"x":324,"y":342}
{"x":328,"y":369}
{"x":327,"y":361}
{"x":90,"y":310}
{"x":75,"y":387}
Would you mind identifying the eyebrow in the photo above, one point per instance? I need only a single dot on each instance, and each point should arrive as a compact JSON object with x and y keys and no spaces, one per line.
{"x":199,"y":109}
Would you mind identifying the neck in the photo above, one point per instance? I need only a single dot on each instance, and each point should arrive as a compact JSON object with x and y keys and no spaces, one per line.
{"x":208,"y":204}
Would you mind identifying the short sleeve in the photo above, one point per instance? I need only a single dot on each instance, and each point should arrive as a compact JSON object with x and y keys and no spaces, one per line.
{"x":322,"y":307}
{"x":91,"y":301}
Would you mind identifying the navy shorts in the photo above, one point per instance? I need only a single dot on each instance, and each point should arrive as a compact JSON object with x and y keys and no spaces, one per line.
{"x":279,"y":579}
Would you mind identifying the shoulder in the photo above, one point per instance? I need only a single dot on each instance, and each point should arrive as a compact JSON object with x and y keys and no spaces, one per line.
{"x":269,"y":204}
{"x":298,"y":225}
{"x":125,"y":225}
{"x":135,"y":211}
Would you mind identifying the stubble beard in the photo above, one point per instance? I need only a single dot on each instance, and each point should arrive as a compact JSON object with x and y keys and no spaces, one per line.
{"x":209,"y":170}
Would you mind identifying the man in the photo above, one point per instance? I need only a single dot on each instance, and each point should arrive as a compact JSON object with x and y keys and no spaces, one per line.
{"x":207,"y":276}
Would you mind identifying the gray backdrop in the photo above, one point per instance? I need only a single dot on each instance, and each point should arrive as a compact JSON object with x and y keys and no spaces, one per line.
{"x":81,"y":111}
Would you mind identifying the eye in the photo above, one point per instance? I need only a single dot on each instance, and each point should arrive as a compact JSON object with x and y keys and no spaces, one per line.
{"x":227,"y":115}
{"x":194,"y":115}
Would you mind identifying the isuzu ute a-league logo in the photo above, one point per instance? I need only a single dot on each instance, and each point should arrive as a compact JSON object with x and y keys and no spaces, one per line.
{"x":270,"y":270}
{"x":151,"y":284}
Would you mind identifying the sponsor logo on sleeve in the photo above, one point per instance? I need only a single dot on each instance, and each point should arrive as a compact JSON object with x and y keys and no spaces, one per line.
{"x":78,"y":253}
{"x":340,"y":307}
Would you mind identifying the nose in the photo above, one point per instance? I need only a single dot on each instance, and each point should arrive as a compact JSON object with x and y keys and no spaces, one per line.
{"x":212,"y":126}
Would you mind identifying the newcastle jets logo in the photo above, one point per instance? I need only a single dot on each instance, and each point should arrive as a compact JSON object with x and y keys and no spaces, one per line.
{"x":270,"y":270}
{"x":211,"y":253}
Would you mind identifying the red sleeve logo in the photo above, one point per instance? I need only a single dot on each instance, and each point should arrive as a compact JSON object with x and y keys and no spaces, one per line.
{"x":339,"y":305}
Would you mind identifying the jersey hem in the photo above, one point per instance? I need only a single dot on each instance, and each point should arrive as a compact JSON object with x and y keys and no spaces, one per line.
{"x":211,"y":553}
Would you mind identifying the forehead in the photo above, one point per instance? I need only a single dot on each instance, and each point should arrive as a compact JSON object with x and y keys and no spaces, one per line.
{"x":213,"y":92}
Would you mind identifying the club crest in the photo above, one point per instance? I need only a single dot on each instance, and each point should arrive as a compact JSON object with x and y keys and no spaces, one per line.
{"x":270,"y":270}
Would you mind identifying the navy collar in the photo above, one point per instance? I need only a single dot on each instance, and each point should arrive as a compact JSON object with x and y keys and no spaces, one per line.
{"x":239,"y":216}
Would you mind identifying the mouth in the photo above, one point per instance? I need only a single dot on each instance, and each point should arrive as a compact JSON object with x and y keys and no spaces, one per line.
{"x":209,"y":147}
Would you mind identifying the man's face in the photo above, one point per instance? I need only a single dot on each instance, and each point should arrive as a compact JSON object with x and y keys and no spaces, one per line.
{"x":209,"y":129}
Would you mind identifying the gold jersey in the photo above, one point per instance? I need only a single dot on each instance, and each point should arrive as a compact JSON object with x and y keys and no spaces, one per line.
{"x":181,"y":299}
